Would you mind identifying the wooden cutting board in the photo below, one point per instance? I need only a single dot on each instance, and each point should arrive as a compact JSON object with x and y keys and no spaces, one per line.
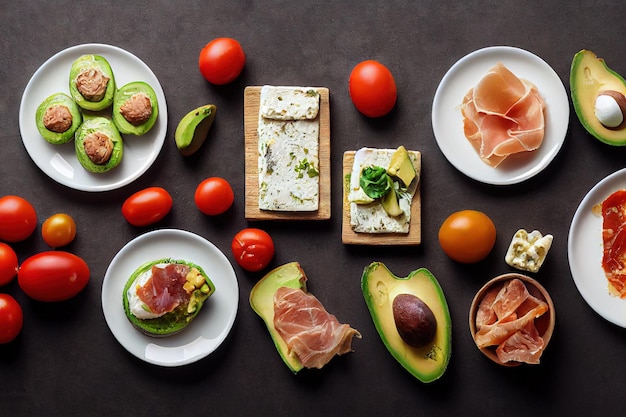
{"x":348,"y":236}
{"x":252,"y":98}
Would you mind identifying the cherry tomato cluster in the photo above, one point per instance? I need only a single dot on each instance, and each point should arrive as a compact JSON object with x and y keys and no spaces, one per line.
{"x":46,"y":276}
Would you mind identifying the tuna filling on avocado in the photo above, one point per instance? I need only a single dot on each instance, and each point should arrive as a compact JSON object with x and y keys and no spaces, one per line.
{"x":92,"y":84}
{"x":137,"y":109}
{"x":57,"y":118}
{"x":98,"y":148}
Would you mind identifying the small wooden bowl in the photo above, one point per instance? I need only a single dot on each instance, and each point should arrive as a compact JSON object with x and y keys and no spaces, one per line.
{"x":544,"y":324}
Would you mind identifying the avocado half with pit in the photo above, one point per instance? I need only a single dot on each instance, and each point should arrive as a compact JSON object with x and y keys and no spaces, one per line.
{"x":197,"y":283}
{"x":135,"y":108}
{"x":98,"y":144}
{"x":58,"y":118}
{"x":92,"y":83}
{"x":193,"y":128}
{"x":412,"y":318}
{"x":598,"y":95}
{"x":262,"y":302}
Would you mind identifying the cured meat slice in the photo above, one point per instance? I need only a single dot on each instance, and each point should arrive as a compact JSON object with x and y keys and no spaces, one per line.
{"x":506,"y":319}
{"x":503,"y":115}
{"x":164,"y":291}
{"x":310,"y":332}
{"x":525,"y":345}
{"x":614,"y":242}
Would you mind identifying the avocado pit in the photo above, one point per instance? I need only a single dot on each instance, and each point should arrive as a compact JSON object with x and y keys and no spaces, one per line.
{"x":610,"y":107}
{"x":415,"y":321}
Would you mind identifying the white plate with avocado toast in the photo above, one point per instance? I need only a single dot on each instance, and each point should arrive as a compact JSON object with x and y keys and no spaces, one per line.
{"x":208,"y":329}
{"x":448,"y":121}
{"x":59,"y":162}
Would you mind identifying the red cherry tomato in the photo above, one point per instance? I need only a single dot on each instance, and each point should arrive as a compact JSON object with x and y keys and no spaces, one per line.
{"x":53,"y":276}
{"x":18,"y":218}
{"x":58,"y":230}
{"x":147,"y":206}
{"x":221,"y":60}
{"x":372,"y":88}
{"x":214,"y":196}
{"x":8,"y":264}
{"x":11,"y":318}
{"x":253,"y":249}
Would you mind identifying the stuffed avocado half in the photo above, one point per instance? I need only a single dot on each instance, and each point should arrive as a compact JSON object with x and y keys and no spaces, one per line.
{"x":135,"y":108}
{"x":92,"y":83}
{"x":58,"y":117}
{"x":163,"y":296}
{"x":98,"y":144}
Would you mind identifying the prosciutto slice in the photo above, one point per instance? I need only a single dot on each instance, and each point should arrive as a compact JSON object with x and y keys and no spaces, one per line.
{"x":312,"y":334}
{"x":164,"y":291}
{"x":503,"y":115}
{"x":506,"y":319}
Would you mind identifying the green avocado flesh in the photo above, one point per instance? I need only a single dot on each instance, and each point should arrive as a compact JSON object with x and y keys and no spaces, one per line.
{"x":105,"y":126}
{"x":380,"y":287}
{"x":125,"y":93}
{"x":262,"y":302}
{"x":176,"y":320}
{"x":193,"y":129}
{"x":589,"y":76}
{"x":58,"y":99}
{"x":87,"y":63}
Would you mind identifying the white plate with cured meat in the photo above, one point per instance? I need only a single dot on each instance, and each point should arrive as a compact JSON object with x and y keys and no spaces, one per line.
{"x":208,"y":329}
{"x":59,"y":162}
{"x":448,"y":121}
{"x":585,"y":251}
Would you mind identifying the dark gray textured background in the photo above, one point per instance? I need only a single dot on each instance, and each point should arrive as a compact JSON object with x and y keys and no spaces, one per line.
{"x":66,"y":361}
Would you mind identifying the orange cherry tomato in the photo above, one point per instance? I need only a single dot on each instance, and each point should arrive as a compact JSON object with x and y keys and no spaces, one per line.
{"x":58,"y":230}
{"x":467,"y":236}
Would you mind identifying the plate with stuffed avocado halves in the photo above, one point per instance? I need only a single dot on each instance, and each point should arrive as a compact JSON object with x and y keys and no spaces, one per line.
{"x":187,"y":332}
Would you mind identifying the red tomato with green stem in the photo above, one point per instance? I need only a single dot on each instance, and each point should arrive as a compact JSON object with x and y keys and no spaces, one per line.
{"x":214,"y":196}
{"x":11,"y":318}
{"x":372,"y":88}
{"x":147,"y":206}
{"x":253,"y":249}
{"x":53,"y":276}
{"x":8,"y":264}
{"x":221,"y":60}
{"x":18,"y":218}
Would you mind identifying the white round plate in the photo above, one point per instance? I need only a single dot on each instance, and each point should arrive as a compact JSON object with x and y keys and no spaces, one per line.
{"x":585,"y":249}
{"x":210,"y":327}
{"x":59,"y":162}
{"x":448,"y":121}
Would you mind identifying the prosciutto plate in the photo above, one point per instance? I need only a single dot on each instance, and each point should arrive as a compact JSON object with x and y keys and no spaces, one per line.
{"x":448,"y":121}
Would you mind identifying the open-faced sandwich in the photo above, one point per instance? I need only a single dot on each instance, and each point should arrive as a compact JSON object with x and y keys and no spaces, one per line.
{"x":381,"y":189}
{"x":162,"y":297}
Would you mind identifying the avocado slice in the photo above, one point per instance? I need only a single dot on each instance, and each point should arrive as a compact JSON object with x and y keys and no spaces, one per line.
{"x":589,"y":78}
{"x":106,"y":128}
{"x":176,"y":320}
{"x":262,"y":302}
{"x":390,"y":202}
{"x":380,"y":288}
{"x":401,"y":166}
{"x":193,"y":129}
{"x":58,"y":135}
{"x":145,"y":121}
{"x":91,"y":71}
